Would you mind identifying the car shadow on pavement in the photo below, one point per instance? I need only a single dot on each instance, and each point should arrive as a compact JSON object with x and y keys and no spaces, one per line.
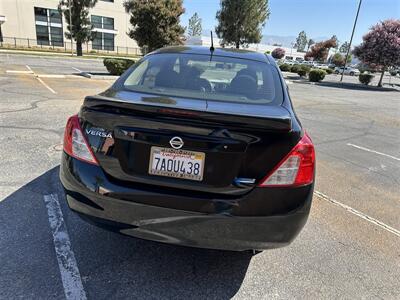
{"x":111,"y":265}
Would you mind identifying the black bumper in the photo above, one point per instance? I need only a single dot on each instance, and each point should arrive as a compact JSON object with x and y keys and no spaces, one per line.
{"x":264,"y":218}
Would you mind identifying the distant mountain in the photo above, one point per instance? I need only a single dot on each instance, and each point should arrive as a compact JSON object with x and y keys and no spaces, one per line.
{"x":283,"y":41}
{"x":270,"y":39}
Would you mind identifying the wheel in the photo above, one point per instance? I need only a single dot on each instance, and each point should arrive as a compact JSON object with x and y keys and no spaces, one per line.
{"x":336,"y":72}
{"x":351,"y":73}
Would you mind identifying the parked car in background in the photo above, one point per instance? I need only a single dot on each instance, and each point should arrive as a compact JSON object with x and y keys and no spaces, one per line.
{"x":309,"y":63}
{"x":321,"y":66}
{"x":290,"y":62}
{"x":347,"y":71}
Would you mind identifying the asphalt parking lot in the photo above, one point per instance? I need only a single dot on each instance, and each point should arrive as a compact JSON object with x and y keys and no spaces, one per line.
{"x":350,"y":247}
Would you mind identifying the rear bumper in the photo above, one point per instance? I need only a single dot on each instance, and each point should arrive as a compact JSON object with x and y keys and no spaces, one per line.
{"x":230,"y":224}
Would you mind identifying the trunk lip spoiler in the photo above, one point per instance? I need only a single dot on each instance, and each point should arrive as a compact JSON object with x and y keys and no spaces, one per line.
{"x":278,"y":113}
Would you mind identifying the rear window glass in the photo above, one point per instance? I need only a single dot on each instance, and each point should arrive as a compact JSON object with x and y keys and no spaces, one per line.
{"x":204,"y":77}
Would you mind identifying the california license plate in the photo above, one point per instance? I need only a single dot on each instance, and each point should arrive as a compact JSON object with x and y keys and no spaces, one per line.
{"x":176,"y":163}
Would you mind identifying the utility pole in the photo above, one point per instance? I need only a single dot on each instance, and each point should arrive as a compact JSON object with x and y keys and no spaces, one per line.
{"x":351,"y":40}
{"x":70,"y":26}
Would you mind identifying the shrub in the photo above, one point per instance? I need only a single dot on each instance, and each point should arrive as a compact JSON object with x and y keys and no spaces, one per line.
{"x":284,"y":67}
{"x":295,"y":68}
{"x":316,"y":75}
{"x":365,"y":78}
{"x":303,"y":70}
{"x":117,"y":66}
{"x":328,"y":71}
{"x":307,"y":68}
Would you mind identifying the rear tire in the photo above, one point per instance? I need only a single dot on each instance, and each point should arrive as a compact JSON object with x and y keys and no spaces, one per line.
{"x":336,"y":72}
{"x":351,"y":73}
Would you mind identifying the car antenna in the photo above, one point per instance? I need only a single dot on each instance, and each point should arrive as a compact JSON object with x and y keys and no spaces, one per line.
{"x":212,"y":46}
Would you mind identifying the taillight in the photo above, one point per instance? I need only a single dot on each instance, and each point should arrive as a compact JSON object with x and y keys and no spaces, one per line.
{"x":75,"y":143}
{"x":296,"y":169}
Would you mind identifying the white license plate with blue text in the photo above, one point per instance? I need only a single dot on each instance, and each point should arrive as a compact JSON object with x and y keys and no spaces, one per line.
{"x":176,"y":163}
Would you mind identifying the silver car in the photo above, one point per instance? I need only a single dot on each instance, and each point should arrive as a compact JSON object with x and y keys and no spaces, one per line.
{"x":347,"y":71}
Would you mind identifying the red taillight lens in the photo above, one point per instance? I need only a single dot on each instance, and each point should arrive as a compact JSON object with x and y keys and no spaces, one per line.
{"x":75,"y":143}
{"x":296,"y":169}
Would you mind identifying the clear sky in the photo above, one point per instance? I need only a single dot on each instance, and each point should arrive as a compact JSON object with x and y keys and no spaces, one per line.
{"x":318,"y":18}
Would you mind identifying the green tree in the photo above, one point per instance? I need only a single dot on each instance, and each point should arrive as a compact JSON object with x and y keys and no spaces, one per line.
{"x":301,"y":41}
{"x":310,"y":42}
{"x":338,"y":59}
{"x":81,"y":29}
{"x":155,"y":23}
{"x":194,"y":28}
{"x":240,"y":21}
{"x":344,"y":47}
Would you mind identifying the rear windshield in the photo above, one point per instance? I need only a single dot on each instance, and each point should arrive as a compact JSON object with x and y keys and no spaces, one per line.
{"x":204,"y":77}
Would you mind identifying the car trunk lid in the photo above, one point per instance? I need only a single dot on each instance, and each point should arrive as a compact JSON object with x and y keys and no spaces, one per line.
{"x":240,"y":142}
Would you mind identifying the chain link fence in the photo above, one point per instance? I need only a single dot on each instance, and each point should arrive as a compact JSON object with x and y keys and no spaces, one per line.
{"x":65,"y":47}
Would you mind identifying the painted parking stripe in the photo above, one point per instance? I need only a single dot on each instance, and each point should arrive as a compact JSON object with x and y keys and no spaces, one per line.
{"x":41,"y":81}
{"x":50,"y":76}
{"x":373,"y":151}
{"x":18,"y":72}
{"x":69,"y":271}
{"x":46,"y":86}
{"x":76,"y":69}
{"x":358,"y":213}
{"x":29,"y":68}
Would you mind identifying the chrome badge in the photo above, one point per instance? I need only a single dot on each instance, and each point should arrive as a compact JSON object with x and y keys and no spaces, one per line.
{"x":176,"y":142}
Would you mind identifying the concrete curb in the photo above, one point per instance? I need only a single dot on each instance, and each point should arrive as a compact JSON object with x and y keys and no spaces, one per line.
{"x":346,"y":85}
{"x":62,"y":54}
{"x":96,"y":76}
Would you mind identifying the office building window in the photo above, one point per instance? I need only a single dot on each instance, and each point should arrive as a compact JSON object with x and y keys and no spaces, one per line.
{"x":48,"y":27}
{"x":102,"y":22}
{"x":103,"y":40}
{"x":108,"y":23}
{"x":108,"y":41}
{"x":97,"y":21}
{"x":40,"y":14}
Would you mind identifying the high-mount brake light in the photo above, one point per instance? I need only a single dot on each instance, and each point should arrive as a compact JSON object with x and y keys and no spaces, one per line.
{"x":75,"y":143}
{"x":296,"y":169}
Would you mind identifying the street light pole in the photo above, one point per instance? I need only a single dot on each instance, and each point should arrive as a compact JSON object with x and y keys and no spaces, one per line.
{"x":351,"y":40}
{"x":70,"y":27}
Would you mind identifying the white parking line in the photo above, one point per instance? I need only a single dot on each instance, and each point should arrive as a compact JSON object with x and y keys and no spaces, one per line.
{"x":76,"y":69}
{"x":19,"y":72}
{"x":373,"y":151}
{"x":46,"y":86}
{"x":40,"y":80}
{"x":358,"y":213}
{"x":50,"y":75}
{"x":29,"y":68}
{"x":69,"y":271}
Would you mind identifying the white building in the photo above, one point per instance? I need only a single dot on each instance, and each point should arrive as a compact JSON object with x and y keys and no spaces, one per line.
{"x":37,"y":23}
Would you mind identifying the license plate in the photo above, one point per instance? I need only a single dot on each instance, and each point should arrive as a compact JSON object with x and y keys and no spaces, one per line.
{"x":176,"y":163}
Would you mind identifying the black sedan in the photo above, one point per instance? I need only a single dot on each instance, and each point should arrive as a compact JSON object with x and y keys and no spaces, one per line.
{"x":193,"y":146}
